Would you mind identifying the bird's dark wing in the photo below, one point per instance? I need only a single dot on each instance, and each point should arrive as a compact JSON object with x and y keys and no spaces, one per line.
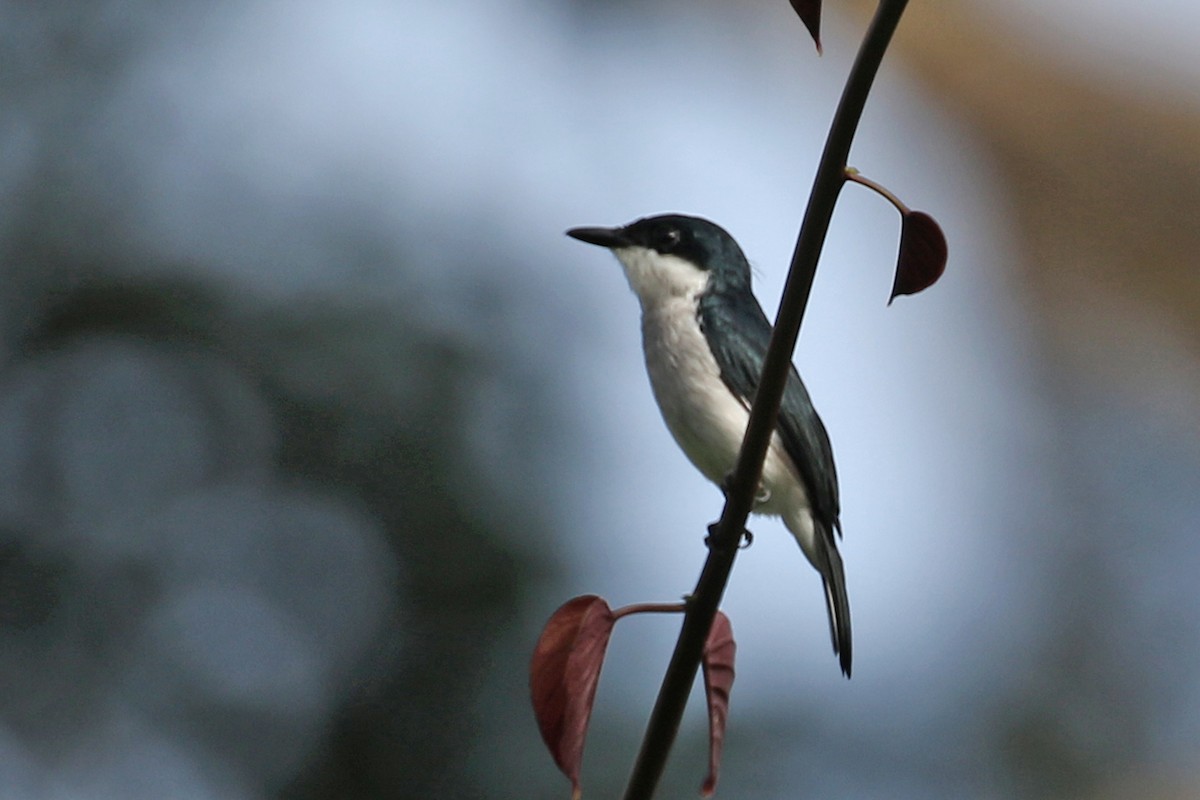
{"x":740,"y":346}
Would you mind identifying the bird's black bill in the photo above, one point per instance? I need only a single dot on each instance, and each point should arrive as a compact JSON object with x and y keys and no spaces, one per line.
{"x":605,"y":237}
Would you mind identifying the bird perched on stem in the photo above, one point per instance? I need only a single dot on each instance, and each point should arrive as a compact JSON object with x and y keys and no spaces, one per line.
{"x":705,"y":338}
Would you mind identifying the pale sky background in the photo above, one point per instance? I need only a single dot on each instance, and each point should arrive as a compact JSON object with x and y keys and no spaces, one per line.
{"x":555,"y":137}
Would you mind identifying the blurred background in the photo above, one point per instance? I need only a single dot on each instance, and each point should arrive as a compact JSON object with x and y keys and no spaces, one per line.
{"x":310,"y":415}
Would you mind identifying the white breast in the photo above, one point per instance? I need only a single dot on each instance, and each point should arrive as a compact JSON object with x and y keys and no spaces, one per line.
{"x":705,"y":418}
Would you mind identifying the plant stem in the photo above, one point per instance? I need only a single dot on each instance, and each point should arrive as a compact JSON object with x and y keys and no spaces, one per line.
{"x":857,"y":177}
{"x":742,"y":484}
{"x":649,"y":608}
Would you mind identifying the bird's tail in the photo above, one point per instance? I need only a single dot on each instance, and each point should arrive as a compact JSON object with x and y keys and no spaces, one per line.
{"x":836,"y":600}
{"x":816,"y":540}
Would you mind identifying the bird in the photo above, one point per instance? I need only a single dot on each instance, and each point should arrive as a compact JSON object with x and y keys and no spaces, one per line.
{"x":705,"y":337}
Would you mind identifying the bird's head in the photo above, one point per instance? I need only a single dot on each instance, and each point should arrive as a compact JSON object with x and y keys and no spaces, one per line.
{"x":673,"y":255}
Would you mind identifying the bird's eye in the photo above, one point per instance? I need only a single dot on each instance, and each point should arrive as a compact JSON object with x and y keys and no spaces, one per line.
{"x":668,"y":240}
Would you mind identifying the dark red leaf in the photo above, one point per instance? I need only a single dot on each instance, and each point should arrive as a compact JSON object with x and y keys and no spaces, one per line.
{"x":719,"y":651}
{"x":810,"y":14}
{"x":923,"y":254}
{"x":563,"y":676}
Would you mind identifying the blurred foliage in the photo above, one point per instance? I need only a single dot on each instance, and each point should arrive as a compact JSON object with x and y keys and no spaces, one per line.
{"x":340,"y":428}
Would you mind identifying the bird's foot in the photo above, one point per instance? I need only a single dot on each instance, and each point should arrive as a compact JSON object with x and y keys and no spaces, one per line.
{"x":744,"y":541}
{"x":761,"y":496}
{"x":710,"y":540}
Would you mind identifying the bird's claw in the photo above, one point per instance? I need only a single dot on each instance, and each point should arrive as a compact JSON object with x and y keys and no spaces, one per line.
{"x":712,"y":534}
{"x":744,"y":541}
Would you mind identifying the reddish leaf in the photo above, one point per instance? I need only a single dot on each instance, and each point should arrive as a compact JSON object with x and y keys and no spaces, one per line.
{"x":923,"y":254}
{"x":563,"y":677}
{"x":809,"y":12}
{"x":719,"y":651}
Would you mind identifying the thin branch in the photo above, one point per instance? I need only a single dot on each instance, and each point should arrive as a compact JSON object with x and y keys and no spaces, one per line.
{"x":741,"y":486}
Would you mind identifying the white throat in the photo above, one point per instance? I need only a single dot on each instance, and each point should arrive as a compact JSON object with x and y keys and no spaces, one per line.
{"x":657,"y":279}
